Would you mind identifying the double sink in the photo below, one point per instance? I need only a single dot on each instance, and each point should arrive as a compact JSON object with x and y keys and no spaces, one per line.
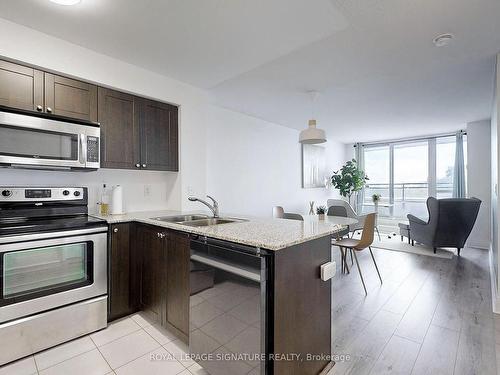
{"x":197,"y":220}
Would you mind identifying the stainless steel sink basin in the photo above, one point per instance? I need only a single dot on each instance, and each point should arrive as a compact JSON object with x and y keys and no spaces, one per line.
{"x":197,"y":220}
{"x":180,"y":218}
{"x":211,"y":221}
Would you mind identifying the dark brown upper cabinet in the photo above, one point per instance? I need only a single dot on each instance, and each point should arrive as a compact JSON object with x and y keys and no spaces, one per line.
{"x":136,"y":133}
{"x":71,"y":98}
{"x":159,"y":135}
{"x":120,"y":142}
{"x":21,"y":87}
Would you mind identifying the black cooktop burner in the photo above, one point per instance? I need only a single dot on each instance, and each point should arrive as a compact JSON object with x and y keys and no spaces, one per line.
{"x":39,"y":224}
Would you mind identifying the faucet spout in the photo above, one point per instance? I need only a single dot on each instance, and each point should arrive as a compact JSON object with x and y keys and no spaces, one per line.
{"x":213,"y":207}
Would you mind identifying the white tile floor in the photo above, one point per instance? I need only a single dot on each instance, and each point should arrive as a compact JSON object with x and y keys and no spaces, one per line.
{"x":124,"y":348}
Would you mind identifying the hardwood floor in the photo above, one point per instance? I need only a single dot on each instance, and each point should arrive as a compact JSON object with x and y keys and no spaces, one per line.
{"x":431,"y":316}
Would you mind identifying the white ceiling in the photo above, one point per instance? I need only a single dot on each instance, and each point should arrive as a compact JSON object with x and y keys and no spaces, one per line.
{"x":373,"y":61}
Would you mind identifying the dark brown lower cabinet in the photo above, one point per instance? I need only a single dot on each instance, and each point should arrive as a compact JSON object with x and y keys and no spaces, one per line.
{"x":153,"y":272}
{"x":121,"y":281}
{"x":178,"y":283}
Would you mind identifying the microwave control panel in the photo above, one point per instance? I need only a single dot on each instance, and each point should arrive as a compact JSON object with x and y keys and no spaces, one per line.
{"x":92,"y":149}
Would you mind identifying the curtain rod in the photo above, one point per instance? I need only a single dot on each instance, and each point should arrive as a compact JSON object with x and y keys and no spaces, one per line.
{"x":403,"y":140}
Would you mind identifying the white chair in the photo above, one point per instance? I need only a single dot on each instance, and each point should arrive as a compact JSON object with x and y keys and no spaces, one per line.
{"x":278,"y":212}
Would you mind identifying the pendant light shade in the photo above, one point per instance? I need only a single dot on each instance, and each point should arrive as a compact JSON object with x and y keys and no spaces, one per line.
{"x":312,"y":134}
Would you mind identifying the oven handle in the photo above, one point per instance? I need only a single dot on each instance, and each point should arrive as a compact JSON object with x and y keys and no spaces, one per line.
{"x":40,"y":236}
{"x":227,"y":266}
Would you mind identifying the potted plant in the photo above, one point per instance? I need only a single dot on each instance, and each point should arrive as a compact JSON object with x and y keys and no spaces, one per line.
{"x":321,"y":211}
{"x":349,"y":179}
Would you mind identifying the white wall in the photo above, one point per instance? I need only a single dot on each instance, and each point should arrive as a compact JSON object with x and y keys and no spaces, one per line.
{"x":253,"y":165}
{"x":479,"y":179}
{"x":495,"y":123}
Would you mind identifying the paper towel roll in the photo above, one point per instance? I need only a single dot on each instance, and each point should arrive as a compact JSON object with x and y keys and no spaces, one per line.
{"x":117,"y":200}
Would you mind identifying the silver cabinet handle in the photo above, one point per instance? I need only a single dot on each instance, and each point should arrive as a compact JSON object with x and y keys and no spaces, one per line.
{"x":144,"y":165}
{"x":137,"y":165}
{"x":39,"y":107}
{"x":115,"y":230}
{"x":161,"y":235}
{"x":49,"y":110}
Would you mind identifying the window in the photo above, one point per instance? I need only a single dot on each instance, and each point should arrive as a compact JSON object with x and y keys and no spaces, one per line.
{"x":406,"y":173}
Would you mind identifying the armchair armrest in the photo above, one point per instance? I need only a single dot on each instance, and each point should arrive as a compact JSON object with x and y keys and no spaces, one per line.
{"x":415,"y":220}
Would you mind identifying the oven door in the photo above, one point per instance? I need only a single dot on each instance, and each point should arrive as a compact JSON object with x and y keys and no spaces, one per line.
{"x":39,"y":275}
{"x":40,"y":142}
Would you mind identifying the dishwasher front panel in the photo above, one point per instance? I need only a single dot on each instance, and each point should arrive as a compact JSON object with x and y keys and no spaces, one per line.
{"x":228,"y":312}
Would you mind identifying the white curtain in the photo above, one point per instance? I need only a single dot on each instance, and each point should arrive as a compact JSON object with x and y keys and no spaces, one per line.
{"x":360,"y":159}
{"x":459,"y":170}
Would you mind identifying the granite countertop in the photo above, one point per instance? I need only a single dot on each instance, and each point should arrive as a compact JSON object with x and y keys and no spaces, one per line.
{"x":271,"y":234}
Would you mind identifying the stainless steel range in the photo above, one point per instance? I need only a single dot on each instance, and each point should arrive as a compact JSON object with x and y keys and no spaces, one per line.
{"x":53,"y":269}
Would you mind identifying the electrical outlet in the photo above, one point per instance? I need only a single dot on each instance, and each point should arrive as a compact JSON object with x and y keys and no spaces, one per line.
{"x":147,"y":190}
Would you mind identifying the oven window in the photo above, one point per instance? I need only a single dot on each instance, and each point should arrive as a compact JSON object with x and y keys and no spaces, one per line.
{"x":38,"y":144}
{"x":46,"y":270}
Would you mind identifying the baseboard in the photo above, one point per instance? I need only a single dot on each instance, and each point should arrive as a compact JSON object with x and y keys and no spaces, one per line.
{"x":478,"y":245}
{"x":495,"y":298}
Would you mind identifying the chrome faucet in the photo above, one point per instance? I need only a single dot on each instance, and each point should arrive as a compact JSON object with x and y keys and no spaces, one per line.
{"x":214,"y":208}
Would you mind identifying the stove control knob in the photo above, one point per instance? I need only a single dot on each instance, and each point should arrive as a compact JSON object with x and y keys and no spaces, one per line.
{"x":6,"y":193}
{"x":65,"y":192}
{"x":76,"y":193}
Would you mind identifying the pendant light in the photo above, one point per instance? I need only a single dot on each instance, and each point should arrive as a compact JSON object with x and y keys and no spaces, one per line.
{"x":312,"y":135}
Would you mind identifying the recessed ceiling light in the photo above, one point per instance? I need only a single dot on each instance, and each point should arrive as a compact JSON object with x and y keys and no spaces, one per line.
{"x":442,"y":40}
{"x":66,"y":2}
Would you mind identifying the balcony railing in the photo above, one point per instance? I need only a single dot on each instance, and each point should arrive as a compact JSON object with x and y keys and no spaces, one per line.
{"x":409,"y":197}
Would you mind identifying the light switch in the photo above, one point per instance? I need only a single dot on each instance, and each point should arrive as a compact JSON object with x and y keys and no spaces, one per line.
{"x":328,"y":270}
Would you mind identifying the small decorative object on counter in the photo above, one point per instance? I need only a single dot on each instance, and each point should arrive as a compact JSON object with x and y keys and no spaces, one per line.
{"x":321,"y":211}
{"x":311,"y":207}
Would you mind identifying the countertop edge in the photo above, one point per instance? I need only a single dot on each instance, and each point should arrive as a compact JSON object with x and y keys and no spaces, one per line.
{"x":194,"y":230}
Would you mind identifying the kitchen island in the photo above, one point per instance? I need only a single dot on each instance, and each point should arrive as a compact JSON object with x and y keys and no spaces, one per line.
{"x":246,"y":296}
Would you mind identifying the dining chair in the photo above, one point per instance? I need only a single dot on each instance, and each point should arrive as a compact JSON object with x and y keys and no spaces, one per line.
{"x":292,"y":216}
{"x":278,"y":212}
{"x":353,"y":228}
{"x":353,"y":245}
{"x":341,"y":212}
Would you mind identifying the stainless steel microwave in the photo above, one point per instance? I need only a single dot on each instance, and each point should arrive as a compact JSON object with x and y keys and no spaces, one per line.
{"x":39,"y":142}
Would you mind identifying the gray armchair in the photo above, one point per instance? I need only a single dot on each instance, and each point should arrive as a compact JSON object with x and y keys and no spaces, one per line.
{"x":449,"y":225}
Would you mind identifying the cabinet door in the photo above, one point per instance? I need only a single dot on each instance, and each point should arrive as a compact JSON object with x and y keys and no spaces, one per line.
{"x":119,"y":129}
{"x":153,"y":271}
{"x":120,"y":264}
{"x":178,"y":282}
{"x":21,"y":87}
{"x":71,"y":98}
{"x":159,"y":135}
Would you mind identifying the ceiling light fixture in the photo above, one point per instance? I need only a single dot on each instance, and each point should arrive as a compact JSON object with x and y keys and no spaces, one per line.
{"x":66,"y":2}
{"x":312,"y":134}
{"x":442,"y":40}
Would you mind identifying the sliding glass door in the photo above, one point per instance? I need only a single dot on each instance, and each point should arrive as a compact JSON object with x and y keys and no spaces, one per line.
{"x":411,"y":176}
{"x":406,"y":173}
